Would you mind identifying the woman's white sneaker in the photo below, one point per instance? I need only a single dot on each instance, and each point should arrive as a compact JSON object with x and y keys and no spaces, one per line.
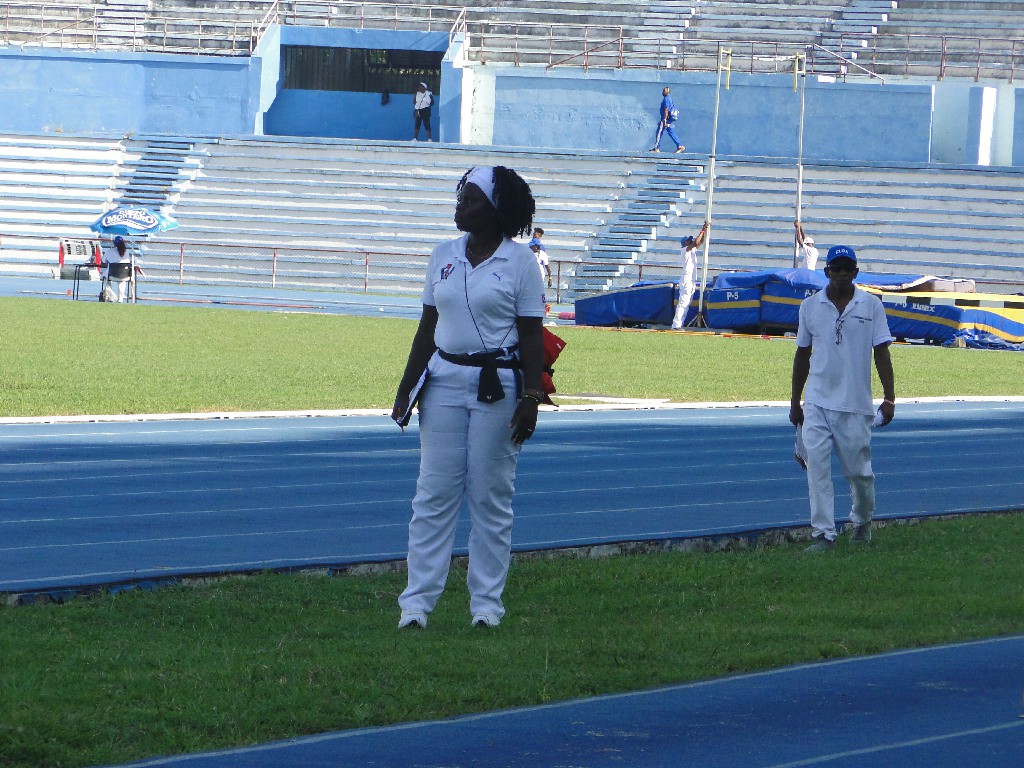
{"x":416,"y":619}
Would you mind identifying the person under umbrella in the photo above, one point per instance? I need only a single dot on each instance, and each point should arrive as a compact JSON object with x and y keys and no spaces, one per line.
{"x":119,"y":271}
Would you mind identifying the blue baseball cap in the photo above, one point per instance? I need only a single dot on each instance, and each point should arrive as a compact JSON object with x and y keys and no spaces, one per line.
{"x":840,"y":252}
{"x":533,"y":241}
{"x":118,"y":240}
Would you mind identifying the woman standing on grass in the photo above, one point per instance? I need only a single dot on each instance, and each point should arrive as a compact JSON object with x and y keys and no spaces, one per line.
{"x":479,"y":342}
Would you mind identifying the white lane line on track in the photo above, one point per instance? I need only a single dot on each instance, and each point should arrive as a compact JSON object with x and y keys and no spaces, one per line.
{"x":626,"y":405}
{"x":821,"y":759}
{"x":205,"y":537}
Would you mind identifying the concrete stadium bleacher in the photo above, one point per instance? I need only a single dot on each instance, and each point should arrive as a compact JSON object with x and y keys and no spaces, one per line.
{"x":934,"y":38}
{"x":926,"y":220}
{"x":610,"y":219}
{"x":320,"y":204}
{"x":52,"y":187}
{"x":388,"y":201}
{"x":55,"y":186}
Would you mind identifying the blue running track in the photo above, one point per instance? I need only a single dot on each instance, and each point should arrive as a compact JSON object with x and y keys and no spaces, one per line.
{"x":87,"y":504}
{"x":944,"y":707}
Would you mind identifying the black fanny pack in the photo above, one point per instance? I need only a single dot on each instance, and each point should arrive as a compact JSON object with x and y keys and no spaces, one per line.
{"x":490,"y":389}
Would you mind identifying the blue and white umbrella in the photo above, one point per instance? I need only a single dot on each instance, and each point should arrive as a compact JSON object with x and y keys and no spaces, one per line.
{"x":132,"y":221}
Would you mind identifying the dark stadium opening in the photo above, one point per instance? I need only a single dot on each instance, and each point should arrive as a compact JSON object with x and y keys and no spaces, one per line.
{"x":360,"y":70}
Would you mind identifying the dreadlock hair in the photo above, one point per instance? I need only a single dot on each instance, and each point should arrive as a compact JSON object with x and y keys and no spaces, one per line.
{"x":514,"y":201}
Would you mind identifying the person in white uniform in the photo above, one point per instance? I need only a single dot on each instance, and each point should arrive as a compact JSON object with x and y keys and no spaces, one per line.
{"x":119,"y":269}
{"x":805,"y":246}
{"x":841,"y":329}
{"x":422,"y":102}
{"x":688,"y":278}
{"x":480,"y":342}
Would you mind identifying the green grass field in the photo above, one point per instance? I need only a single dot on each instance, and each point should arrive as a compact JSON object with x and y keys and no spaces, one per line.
{"x":66,"y":357}
{"x":118,"y":677}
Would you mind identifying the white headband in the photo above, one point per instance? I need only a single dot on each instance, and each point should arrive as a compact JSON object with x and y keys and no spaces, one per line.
{"x":483,"y":177}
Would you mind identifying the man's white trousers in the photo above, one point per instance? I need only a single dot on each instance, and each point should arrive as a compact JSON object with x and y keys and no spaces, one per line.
{"x":466,"y":454}
{"x":686,"y":291}
{"x":849,"y":434}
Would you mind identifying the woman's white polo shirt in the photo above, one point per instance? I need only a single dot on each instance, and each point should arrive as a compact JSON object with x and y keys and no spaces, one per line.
{"x":482,"y":301}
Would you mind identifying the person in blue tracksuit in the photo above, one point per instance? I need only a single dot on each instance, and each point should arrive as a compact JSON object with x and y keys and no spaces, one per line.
{"x":667,"y":116}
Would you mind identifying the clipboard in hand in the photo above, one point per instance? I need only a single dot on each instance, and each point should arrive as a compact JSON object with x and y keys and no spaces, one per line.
{"x":414,"y":399}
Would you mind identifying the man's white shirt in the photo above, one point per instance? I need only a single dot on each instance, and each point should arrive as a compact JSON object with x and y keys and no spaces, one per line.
{"x":689,"y":274}
{"x":840,"y":376}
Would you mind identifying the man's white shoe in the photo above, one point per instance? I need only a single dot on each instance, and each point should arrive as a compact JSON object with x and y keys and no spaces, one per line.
{"x":416,"y":619}
{"x":485,"y":619}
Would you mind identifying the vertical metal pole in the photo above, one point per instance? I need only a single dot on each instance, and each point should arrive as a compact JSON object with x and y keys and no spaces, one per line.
{"x":802,"y":74}
{"x":273,"y":274}
{"x":701,"y":306}
{"x":181,"y":266}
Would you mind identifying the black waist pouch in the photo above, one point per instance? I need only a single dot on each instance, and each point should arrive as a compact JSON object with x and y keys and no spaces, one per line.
{"x":490,"y":389}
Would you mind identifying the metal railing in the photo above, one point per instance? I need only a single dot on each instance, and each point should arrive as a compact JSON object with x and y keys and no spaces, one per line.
{"x":942,"y":54}
{"x":353,"y":270}
{"x":495,"y":39}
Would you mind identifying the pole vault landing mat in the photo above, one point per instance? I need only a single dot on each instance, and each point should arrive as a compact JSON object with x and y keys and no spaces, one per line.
{"x":957,"y":705}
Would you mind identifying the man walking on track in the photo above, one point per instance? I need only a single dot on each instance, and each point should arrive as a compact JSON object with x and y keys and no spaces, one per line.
{"x":667,"y":115}
{"x":841,"y":329}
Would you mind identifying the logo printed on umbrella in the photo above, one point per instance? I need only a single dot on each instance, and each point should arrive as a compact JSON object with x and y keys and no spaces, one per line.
{"x":131,"y":218}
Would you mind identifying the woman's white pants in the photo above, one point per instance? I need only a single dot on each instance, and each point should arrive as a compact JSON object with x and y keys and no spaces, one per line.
{"x":466,"y":455}
{"x":850,"y":435}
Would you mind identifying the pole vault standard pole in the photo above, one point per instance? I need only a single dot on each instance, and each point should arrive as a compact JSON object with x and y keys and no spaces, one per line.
{"x":799,"y":76}
{"x":700,"y":321}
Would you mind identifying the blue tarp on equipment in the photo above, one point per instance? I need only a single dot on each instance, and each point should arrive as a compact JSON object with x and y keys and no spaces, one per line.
{"x":983,"y":321}
{"x":734,"y":307}
{"x":772,"y":298}
{"x":642,"y":303}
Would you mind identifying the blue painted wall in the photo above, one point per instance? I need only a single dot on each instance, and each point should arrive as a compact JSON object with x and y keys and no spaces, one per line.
{"x":758,"y":116}
{"x":1018,"y":127}
{"x":49,"y":90}
{"x":447,"y":116}
{"x":269,"y":51}
{"x":343,"y":114}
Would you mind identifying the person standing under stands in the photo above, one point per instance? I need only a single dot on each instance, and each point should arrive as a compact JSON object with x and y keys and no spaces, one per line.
{"x":422,"y":101}
{"x":840,"y":329}
{"x":805,"y":244}
{"x":667,"y":116}
{"x":688,"y":279}
{"x":479,"y":340}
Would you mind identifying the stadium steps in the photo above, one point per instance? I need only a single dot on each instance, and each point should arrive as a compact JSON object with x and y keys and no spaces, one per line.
{"x":655,"y":202}
{"x":153,"y":173}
